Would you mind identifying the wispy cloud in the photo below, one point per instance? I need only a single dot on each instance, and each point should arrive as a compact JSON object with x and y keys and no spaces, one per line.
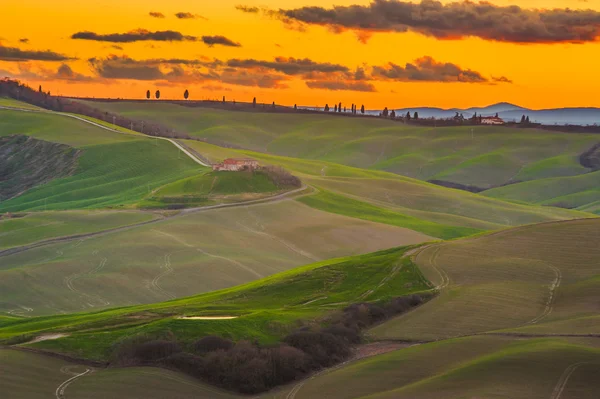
{"x":426,"y":69}
{"x":156,"y":14}
{"x":134,"y":36}
{"x":16,"y":54}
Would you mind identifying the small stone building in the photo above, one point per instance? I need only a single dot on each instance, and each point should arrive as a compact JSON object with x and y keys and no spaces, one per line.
{"x":234,"y":165}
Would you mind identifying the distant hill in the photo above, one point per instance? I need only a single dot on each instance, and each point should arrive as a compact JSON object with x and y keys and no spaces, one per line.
{"x":510,"y":112}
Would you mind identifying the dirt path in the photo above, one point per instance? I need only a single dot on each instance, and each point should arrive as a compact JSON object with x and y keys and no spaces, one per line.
{"x":71,"y":278}
{"x":60,"y":391}
{"x":550,"y":302}
{"x":564,"y":379}
{"x":272,"y":199}
{"x":168,"y":270}
{"x":230,"y":260}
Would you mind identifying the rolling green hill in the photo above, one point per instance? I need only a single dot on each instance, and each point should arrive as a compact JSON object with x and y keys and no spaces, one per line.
{"x":113,"y":169}
{"x":481,"y":156}
{"x":537,"y":279}
{"x":304,"y":293}
{"x":214,"y":187}
{"x":473,"y":367}
{"x":185,"y":255}
{"x":579,"y":192}
{"x":33,"y":227}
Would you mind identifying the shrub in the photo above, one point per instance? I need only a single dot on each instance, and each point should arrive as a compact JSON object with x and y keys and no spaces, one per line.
{"x":212,"y":343}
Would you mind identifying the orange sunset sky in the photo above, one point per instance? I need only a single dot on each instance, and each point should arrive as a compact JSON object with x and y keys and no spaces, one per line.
{"x":540,"y":54}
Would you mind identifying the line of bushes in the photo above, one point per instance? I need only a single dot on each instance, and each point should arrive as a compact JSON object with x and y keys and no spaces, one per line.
{"x":248,"y":367}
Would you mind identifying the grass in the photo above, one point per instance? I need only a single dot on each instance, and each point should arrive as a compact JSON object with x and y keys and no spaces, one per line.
{"x":109,"y":175}
{"x":305,"y":293}
{"x":206,"y":251}
{"x":580,"y":192}
{"x":31,"y":376}
{"x":503,"y":281}
{"x":57,"y":129}
{"x":10,"y":102}
{"x":213,"y":187}
{"x":483,"y":367}
{"x":40,"y":226}
{"x":403,"y":195}
{"x":334,"y":203}
{"x":20,"y":369}
{"x":485,"y":156}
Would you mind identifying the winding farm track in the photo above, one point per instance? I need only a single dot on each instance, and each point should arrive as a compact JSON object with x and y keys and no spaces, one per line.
{"x":564,"y":379}
{"x":60,"y":391}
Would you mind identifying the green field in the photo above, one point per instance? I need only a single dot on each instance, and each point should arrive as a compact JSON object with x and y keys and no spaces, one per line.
{"x":579,"y":192}
{"x":538,"y":279}
{"x":185,"y":255}
{"x":303,"y":293}
{"x":473,"y":367}
{"x":40,"y":226}
{"x":403,"y":195}
{"x":213,"y":187}
{"x":484,"y":156}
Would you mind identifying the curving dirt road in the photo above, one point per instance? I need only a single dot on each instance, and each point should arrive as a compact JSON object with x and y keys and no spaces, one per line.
{"x":60,"y":391}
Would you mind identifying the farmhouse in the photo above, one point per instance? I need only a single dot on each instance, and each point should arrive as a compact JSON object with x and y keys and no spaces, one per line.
{"x":491,"y":120}
{"x":234,"y":165}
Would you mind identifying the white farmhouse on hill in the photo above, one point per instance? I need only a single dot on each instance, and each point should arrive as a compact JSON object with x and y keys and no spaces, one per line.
{"x":234,"y":165}
{"x":492,"y":120}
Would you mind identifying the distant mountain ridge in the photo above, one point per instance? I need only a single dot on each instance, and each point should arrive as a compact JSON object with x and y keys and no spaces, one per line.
{"x":512,"y":113}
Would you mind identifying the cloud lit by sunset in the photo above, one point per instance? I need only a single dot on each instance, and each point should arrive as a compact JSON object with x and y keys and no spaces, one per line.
{"x":537,"y":54}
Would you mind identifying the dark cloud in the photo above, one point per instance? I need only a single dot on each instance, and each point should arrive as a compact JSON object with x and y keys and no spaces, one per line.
{"x":65,"y":72}
{"x":289,"y":66}
{"x":246,"y":78}
{"x":36,"y":73}
{"x":24,"y":40}
{"x":187,"y":15}
{"x":135,"y":36}
{"x":116,"y":47}
{"x":455,"y":20}
{"x":16,"y":54}
{"x":156,"y":14}
{"x":172,"y":69}
{"x":501,"y":79}
{"x":426,"y":69}
{"x":341,"y":85}
{"x":219,"y":40}
{"x":248,"y":9}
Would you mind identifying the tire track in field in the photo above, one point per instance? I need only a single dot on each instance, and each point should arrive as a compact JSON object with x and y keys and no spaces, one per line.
{"x":60,"y":391}
{"x":387,"y":278}
{"x":168,"y":270}
{"x":564,"y":379}
{"x":550,"y":302}
{"x":73,"y":277}
{"x":262,"y":231}
{"x":445,"y":279}
{"x":230,"y":260}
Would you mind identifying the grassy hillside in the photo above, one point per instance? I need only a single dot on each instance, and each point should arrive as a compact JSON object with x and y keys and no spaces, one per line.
{"x":26,"y":162}
{"x":33,"y":227}
{"x":185,"y":255}
{"x":57,"y":129}
{"x":473,"y":367}
{"x":19,"y":369}
{"x":303,"y":293}
{"x":539,"y":279}
{"x":403,"y":195}
{"x":109,"y":175}
{"x":482,"y":156}
{"x":213,"y":187}
{"x":579,"y":192}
